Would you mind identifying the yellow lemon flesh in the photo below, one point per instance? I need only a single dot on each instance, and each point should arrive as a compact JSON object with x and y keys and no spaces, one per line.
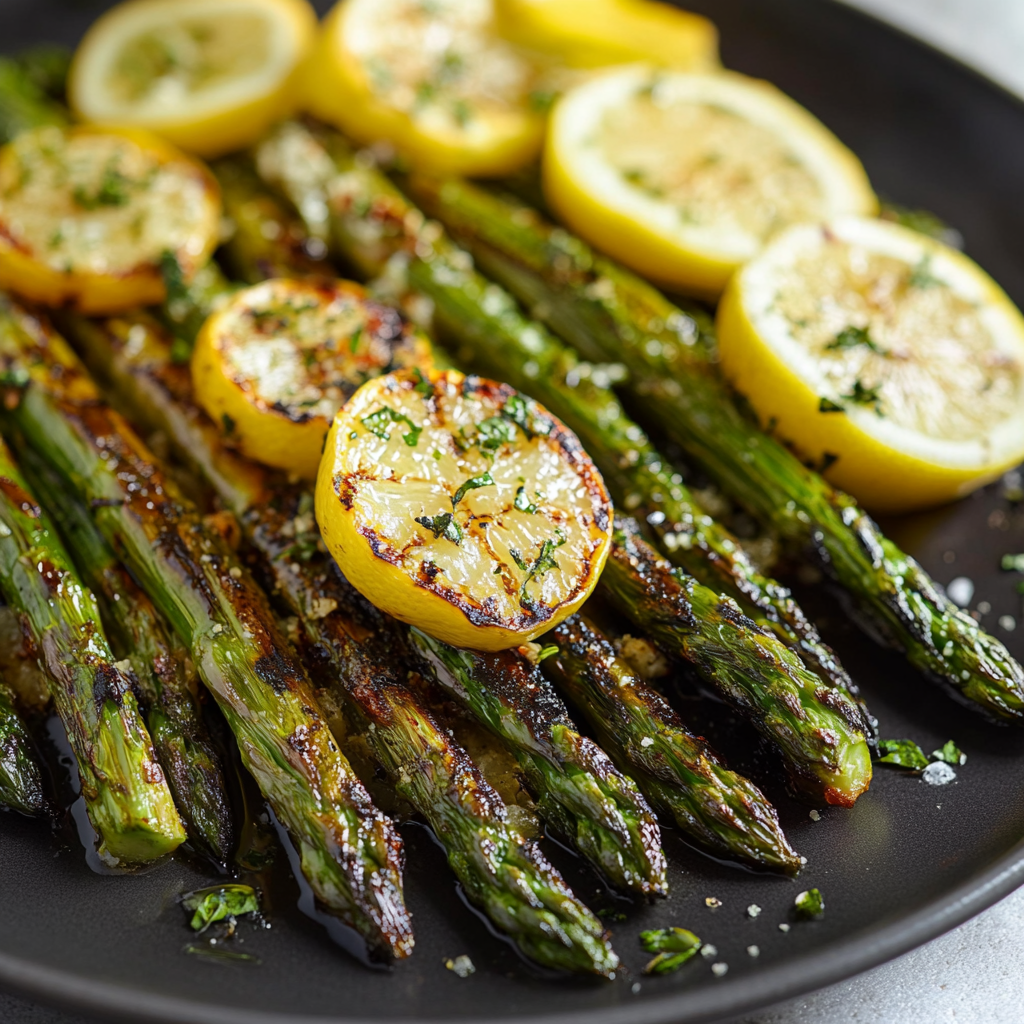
{"x":88,"y":214}
{"x":432,"y":79}
{"x":886,"y":358}
{"x":596,"y":33}
{"x":685,"y":177}
{"x":462,"y":507}
{"x":275,"y":364}
{"x":210,"y":75}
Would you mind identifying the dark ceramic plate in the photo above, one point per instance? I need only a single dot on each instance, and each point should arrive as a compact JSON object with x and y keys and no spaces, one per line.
{"x":907,"y":863}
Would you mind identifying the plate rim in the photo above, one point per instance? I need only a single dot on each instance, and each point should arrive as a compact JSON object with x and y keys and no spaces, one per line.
{"x":760,"y":990}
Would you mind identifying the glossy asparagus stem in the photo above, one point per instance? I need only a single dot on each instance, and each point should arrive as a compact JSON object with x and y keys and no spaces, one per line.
{"x":579,"y":790}
{"x":503,"y":873}
{"x":164,"y":673}
{"x":606,"y":312}
{"x":349,"y":851}
{"x":126,"y":795}
{"x":676,"y":770}
{"x":21,"y":782}
{"x":815,"y":729}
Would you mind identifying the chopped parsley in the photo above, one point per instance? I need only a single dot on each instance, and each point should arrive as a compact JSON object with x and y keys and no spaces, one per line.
{"x":518,"y":412}
{"x":861,"y":395}
{"x":378,"y":422}
{"x":950,"y":753}
{"x":483,"y":480}
{"x":902,"y":754}
{"x":673,"y":946}
{"x":809,"y":903}
{"x":442,"y":525}
{"x":219,"y":903}
{"x":827,"y":405}
{"x":546,"y":652}
{"x":544,"y":562}
{"x":353,"y":342}
{"x":422,"y":386}
{"x":492,"y":433}
{"x":228,"y":424}
{"x":113,"y":190}
{"x":852,"y":337}
{"x":522,"y":502}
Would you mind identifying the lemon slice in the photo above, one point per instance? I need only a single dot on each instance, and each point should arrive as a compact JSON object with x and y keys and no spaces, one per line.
{"x":888,"y":359}
{"x":87,"y":215}
{"x":684,"y":177}
{"x":462,"y":507}
{"x":596,"y":33}
{"x":210,"y":75}
{"x":275,"y":364}
{"x":432,"y":78}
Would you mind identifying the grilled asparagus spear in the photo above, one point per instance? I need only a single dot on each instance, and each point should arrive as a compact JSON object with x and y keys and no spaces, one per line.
{"x":503,"y":873}
{"x":579,"y":789}
{"x":21,"y":782}
{"x":350,"y":853}
{"x":125,"y":792}
{"x":675,"y":769}
{"x":815,"y":729}
{"x":606,"y":312}
{"x":163,"y":671}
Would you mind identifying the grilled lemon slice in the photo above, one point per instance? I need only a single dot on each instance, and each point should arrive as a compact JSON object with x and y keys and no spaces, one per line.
{"x":596,"y":33}
{"x":890,"y":360}
{"x":210,"y":75}
{"x":88,"y":214}
{"x":431,"y":78}
{"x":685,"y":177}
{"x":462,"y":507}
{"x":275,"y":364}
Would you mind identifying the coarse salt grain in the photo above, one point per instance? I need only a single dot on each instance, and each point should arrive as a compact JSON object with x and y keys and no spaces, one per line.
{"x":719,"y":969}
{"x":753,"y":910}
{"x":753,"y":950}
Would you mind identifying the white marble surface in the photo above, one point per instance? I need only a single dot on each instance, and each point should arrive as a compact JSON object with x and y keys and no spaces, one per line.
{"x":975,"y":974}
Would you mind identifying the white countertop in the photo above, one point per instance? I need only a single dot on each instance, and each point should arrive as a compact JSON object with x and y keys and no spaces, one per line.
{"x":975,"y":974}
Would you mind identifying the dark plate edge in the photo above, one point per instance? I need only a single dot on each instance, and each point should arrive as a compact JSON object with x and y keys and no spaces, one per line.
{"x":756,"y":992}
{"x":759,"y":991}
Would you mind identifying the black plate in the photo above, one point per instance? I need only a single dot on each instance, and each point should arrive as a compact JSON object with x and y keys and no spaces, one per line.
{"x":908,"y":862}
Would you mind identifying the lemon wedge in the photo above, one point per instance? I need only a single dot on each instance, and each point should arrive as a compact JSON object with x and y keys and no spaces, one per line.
{"x":274,"y":364}
{"x":433,"y":79}
{"x":87,"y":216}
{"x":596,"y":33}
{"x":889,"y":360}
{"x":684,"y":177}
{"x":462,"y":507}
{"x":210,"y":75}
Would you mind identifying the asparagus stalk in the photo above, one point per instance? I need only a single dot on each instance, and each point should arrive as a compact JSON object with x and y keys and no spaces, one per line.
{"x":164,"y":673}
{"x":503,"y":873}
{"x":579,"y":790}
{"x":21,"y":782}
{"x":675,"y":769}
{"x":349,"y":852}
{"x":125,"y":792}
{"x":606,"y":312}
{"x":815,"y":729}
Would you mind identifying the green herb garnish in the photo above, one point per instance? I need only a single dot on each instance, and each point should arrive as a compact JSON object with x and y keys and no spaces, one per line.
{"x":862,"y":395}
{"x":353,"y":342}
{"x":921,"y":276}
{"x":809,"y":903}
{"x":228,"y":424}
{"x":422,"y":386}
{"x":377,"y":424}
{"x":522,"y":502}
{"x":674,"y":947}
{"x":545,"y":560}
{"x":903,"y":754}
{"x":852,"y":337}
{"x":1013,"y":563}
{"x":827,"y":405}
{"x":111,"y":191}
{"x":483,"y":480}
{"x":950,"y":753}
{"x":547,"y":652}
{"x":219,"y":903}
{"x":494,"y":432}
{"x":518,"y":412}
{"x":14,"y":377}
{"x":442,"y":525}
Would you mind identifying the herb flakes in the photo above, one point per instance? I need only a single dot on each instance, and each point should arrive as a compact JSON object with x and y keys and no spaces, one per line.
{"x":809,"y":904}
{"x":442,"y":525}
{"x":219,"y":903}
{"x":902,"y":754}
{"x":673,"y":946}
{"x":377,"y":423}
{"x":472,"y":484}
